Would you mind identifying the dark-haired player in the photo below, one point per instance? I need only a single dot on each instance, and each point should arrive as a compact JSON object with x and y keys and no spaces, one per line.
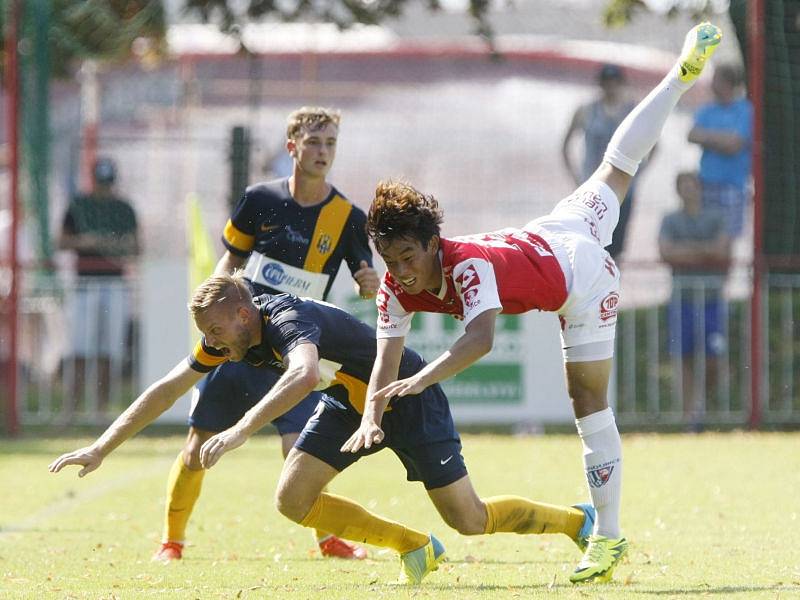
{"x":555,"y":263}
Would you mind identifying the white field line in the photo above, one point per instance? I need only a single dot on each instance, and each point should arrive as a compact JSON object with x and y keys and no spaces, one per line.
{"x":63,"y":505}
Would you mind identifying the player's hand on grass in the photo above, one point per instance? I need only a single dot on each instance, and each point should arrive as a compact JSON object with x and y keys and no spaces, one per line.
{"x":367,"y":279}
{"x":368,"y":433}
{"x":89,"y":458}
{"x":214,"y":447}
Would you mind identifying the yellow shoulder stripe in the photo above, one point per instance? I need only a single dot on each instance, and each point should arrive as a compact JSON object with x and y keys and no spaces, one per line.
{"x":238,"y":239}
{"x":330,"y":225}
{"x":206,"y":359}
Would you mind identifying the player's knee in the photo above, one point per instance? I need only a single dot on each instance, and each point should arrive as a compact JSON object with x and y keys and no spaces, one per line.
{"x":586,"y":402}
{"x":291,"y":505}
{"x":191,"y":449}
{"x":465,"y":522}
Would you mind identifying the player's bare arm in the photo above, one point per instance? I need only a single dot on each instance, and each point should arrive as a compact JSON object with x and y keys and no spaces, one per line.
{"x":145,"y":409}
{"x":468,"y":349}
{"x":367,"y":280}
{"x":229,"y":263}
{"x":299,"y":380}
{"x":387,"y":366}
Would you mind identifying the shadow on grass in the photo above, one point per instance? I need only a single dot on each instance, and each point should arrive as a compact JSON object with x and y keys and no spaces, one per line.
{"x":708,"y":590}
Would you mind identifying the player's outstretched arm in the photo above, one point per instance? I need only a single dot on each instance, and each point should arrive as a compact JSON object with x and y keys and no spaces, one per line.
{"x":298,"y":381}
{"x":469,"y":348}
{"x":385,"y":370}
{"x":144,"y":410}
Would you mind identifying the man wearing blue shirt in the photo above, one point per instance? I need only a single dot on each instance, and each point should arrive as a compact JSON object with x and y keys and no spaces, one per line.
{"x":724,"y":129}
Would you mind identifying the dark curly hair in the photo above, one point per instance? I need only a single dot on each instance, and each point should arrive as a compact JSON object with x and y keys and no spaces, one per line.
{"x":401,"y":211}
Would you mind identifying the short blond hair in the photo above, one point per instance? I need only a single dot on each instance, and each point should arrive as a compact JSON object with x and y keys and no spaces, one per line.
{"x":311,"y":118}
{"x":218,"y":289}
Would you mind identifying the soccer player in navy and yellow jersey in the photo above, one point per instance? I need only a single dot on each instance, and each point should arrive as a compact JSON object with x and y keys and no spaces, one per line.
{"x":318,"y":346}
{"x":290,"y":235}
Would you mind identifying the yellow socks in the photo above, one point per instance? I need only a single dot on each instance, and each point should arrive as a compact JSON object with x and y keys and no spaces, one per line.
{"x":515,"y":514}
{"x":183,"y":489}
{"x":349,"y":520}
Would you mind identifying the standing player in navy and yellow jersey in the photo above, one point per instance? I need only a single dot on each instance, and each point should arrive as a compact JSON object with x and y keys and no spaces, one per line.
{"x":319,"y":346}
{"x":290,"y":235}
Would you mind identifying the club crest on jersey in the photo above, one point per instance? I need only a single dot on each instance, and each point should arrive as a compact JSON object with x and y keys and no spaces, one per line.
{"x":599,"y":477}
{"x":608,"y":306}
{"x":471,"y":297}
{"x":324,"y":243}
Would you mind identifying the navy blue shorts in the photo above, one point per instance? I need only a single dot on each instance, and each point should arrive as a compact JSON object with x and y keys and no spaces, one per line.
{"x":233,"y":388}
{"x":418,"y":429}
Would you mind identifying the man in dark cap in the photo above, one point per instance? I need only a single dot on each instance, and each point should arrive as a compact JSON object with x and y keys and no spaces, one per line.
{"x":100,"y":228}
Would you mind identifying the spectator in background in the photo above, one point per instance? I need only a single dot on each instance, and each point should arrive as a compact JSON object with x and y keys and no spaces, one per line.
{"x":694,"y":241}
{"x":100,"y":228}
{"x":597,"y":121}
{"x":724,"y":130}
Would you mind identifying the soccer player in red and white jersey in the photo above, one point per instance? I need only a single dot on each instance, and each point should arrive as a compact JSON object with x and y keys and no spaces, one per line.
{"x":555,"y":263}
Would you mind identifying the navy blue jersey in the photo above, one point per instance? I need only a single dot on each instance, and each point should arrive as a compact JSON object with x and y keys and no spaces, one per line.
{"x":292,"y":248}
{"x":346,"y":346}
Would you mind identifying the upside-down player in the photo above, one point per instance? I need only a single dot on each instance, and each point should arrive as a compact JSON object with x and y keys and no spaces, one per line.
{"x":555,"y":263}
{"x":291,"y":235}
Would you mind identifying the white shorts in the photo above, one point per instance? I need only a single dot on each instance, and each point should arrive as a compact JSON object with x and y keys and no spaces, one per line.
{"x":578,"y":229}
{"x":100,"y":315}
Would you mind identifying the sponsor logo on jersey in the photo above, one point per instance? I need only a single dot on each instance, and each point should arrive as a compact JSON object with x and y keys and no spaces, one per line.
{"x":608,"y":306}
{"x":275,"y":276}
{"x":593,"y":201}
{"x":324,"y":243}
{"x":469,"y":282}
{"x":296,"y":236}
{"x":382,"y":301}
{"x":599,"y":476}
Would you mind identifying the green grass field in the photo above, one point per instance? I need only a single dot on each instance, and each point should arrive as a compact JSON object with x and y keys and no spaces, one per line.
{"x":713,"y":515}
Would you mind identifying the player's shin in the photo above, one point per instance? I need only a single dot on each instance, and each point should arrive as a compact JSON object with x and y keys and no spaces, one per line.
{"x":183,"y":489}
{"x":602,"y":459}
{"x":515,"y":514}
{"x":351,"y":521}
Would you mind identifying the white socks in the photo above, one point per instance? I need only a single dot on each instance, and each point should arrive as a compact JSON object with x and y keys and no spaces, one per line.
{"x":602,"y":458}
{"x":638,"y":133}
